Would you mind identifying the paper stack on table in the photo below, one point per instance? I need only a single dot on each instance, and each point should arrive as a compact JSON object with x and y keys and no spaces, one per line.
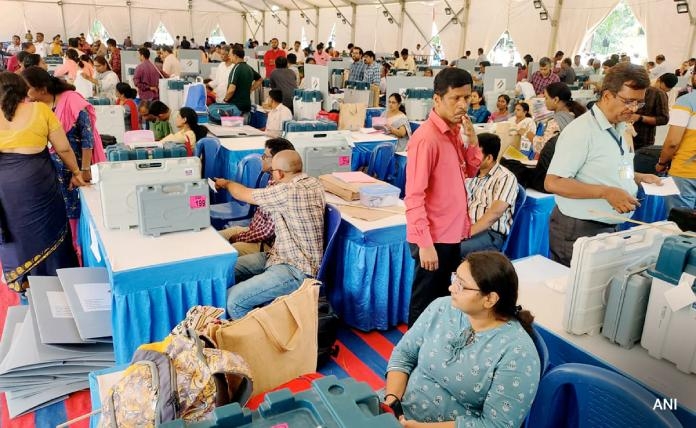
{"x":49,"y":347}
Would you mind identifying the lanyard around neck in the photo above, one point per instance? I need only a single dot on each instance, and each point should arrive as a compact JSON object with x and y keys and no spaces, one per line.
{"x":617,"y":139}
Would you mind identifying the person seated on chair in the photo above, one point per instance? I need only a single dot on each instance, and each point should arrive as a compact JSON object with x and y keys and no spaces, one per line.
{"x":469,"y":359}
{"x":261,"y":231}
{"x":296,"y":203}
{"x":189,"y":130}
{"x":278,"y":113}
{"x":158,"y":113}
{"x":492,"y":194}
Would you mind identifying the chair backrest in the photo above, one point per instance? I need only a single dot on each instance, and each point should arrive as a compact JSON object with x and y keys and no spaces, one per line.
{"x":381,"y":161}
{"x":332,"y":219}
{"x":207,"y":150}
{"x":542,"y":350}
{"x":519,"y":202}
{"x":580,"y":395}
{"x":249,"y":169}
{"x":263,"y":179}
{"x":139,"y":136}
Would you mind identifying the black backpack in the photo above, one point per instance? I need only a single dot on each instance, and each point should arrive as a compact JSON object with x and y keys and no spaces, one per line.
{"x":328,"y":330}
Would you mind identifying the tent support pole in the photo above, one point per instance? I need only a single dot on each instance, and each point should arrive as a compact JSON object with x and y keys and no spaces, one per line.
{"x":316,"y":29}
{"x":692,"y":35}
{"x":465,"y":28}
{"x":62,"y":17}
{"x":555,"y":21}
{"x":130,"y":19}
{"x":354,"y":21}
{"x":403,"y":13}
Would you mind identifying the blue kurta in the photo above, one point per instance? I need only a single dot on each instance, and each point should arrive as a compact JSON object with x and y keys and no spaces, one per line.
{"x":489,"y":383}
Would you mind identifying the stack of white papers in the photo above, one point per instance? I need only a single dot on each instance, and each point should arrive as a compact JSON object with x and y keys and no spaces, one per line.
{"x":49,"y":347}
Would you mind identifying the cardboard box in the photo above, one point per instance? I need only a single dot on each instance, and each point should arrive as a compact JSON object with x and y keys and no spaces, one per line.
{"x":342,"y":189}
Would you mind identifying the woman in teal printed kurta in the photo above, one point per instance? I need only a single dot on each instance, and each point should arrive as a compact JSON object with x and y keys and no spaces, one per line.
{"x":468,"y":361}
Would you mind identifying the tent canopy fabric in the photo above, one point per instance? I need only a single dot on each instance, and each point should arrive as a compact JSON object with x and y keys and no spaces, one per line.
{"x":480,"y":23}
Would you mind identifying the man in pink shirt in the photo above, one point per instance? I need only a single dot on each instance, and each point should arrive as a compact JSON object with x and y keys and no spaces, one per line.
{"x":320,"y":56}
{"x":438,"y":162}
{"x":270,"y":56}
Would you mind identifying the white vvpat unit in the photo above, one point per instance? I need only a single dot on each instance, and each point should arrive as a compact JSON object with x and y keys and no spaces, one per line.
{"x":670,"y":320}
{"x":323,"y":152}
{"x":118,"y":181}
{"x":596,"y":260}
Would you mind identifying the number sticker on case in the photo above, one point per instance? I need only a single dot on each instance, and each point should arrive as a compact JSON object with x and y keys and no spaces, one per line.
{"x":197,"y":201}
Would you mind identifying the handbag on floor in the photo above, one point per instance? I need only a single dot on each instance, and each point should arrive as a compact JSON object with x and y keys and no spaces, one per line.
{"x":278,"y":341}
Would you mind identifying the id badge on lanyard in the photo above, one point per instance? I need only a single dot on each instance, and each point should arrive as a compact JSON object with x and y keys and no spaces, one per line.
{"x":626,"y":170}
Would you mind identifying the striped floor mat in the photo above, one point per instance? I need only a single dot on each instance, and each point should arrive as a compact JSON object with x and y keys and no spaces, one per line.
{"x":362,"y":356}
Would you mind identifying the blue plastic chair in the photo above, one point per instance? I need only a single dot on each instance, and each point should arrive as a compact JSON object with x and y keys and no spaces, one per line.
{"x":381,"y":161}
{"x":332,"y":220}
{"x":249,"y":172}
{"x":519,"y":202}
{"x":584,"y":396}
{"x":207,"y":150}
{"x":542,"y":350}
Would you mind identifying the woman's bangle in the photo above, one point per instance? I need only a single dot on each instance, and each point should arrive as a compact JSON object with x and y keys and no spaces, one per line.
{"x":76,"y":172}
{"x":86,"y":169}
{"x":391,"y":395}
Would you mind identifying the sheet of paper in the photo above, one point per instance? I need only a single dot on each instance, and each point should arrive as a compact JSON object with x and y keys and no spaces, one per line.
{"x":59,"y":304}
{"x":94,"y":297}
{"x":211,"y":184}
{"x":513,"y":153}
{"x":669,"y":187}
{"x":682,"y":295}
{"x":94,"y":244}
{"x":353,"y":177}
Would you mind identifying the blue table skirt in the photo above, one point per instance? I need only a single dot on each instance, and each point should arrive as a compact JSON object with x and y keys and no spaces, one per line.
{"x":530,"y":234}
{"x":148,"y":302}
{"x":362,"y":153}
{"x":227,"y":162}
{"x":652,"y":208}
{"x":414,"y":126}
{"x":561,"y":351}
{"x":372,"y":278}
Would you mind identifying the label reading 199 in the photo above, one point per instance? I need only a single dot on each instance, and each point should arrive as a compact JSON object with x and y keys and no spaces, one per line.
{"x":197,"y":201}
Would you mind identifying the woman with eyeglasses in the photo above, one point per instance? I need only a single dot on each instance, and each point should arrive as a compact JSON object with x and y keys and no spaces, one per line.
{"x":469,"y":359}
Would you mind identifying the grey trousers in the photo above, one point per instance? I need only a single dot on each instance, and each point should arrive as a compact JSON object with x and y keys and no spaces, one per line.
{"x":564,"y":231}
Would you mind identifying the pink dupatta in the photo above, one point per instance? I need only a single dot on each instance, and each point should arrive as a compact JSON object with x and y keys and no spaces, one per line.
{"x":69,"y":106}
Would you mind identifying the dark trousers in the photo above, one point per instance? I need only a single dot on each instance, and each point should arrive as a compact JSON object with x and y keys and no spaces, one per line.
{"x":429,"y":285}
{"x":564,"y":231}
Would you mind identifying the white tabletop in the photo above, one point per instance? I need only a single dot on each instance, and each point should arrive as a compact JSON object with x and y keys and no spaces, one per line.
{"x":129,"y":249}
{"x":245,"y":143}
{"x":359,"y":137}
{"x":232,"y":131}
{"x":547,"y":304}
{"x":366,"y":226}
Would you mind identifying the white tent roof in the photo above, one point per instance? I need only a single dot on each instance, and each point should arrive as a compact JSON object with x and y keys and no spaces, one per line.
{"x":480,"y":22}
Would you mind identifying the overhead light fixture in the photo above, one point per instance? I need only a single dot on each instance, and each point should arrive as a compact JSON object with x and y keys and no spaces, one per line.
{"x":307,"y":21}
{"x":537,"y":4}
{"x":455,"y":21}
{"x":448,"y":11}
{"x":338,"y":14}
{"x":391,"y":20}
{"x":385,"y":12}
{"x":683,"y":7}
{"x":544,"y":15}
{"x":302,"y":15}
{"x":344,"y":21}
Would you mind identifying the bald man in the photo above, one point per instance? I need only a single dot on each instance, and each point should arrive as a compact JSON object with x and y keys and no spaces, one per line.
{"x":296,"y":204}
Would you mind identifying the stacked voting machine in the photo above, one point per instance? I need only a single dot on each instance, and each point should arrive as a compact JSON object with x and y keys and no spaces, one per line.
{"x":49,"y":347}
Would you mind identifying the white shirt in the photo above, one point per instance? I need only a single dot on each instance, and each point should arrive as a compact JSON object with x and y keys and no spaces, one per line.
{"x":220,"y":81}
{"x":13,"y":49}
{"x":41,"y":48}
{"x":299,"y":54}
{"x":659,"y":70}
{"x":171,"y":66}
{"x":276,"y":118}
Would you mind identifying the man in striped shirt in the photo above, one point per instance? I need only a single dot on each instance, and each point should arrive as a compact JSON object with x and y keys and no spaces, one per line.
{"x":492,"y":194}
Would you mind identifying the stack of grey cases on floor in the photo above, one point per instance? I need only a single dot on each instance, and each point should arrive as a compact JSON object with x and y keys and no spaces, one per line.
{"x":49,"y":347}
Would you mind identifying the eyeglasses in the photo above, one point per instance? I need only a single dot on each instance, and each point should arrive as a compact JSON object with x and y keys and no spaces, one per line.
{"x":637,"y":104}
{"x":460,"y":284}
{"x":266,"y":157}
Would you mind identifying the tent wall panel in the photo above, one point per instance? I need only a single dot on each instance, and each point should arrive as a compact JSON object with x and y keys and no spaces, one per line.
{"x":12,"y":20}
{"x":327,"y":18}
{"x":115,"y":20}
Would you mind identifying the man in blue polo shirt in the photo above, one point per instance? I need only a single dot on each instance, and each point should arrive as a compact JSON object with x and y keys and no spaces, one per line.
{"x":592,"y":169}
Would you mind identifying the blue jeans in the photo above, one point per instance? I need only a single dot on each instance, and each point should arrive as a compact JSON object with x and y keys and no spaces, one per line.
{"x":257,"y":285}
{"x":488,"y":240}
{"x":687,"y":198}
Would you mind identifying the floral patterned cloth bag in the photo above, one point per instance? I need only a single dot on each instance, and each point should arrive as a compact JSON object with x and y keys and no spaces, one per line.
{"x":177,"y":378}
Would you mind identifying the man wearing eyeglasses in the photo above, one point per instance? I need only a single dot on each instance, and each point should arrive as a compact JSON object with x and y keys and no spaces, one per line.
{"x":261,"y":231}
{"x":591,"y":172}
{"x":296,"y":203}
